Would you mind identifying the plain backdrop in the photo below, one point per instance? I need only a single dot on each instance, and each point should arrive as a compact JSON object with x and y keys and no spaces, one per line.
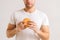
{"x":50,"y":7}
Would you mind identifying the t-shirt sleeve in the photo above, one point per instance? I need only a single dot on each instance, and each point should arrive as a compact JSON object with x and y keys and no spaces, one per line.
{"x":12,"y":19}
{"x":45,"y":20}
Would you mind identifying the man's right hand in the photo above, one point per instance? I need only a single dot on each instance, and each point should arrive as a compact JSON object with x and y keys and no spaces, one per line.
{"x":20,"y":26}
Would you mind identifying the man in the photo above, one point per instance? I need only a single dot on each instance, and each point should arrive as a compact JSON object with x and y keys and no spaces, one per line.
{"x":37,"y":28}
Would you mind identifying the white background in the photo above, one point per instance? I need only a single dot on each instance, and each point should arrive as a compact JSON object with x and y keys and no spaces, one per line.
{"x":50,"y":7}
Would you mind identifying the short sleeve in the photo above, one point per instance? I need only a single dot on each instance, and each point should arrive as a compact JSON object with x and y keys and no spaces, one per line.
{"x":45,"y":20}
{"x":12,"y":19}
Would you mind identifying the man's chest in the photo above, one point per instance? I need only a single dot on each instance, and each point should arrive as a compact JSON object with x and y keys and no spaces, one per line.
{"x":33,"y":17}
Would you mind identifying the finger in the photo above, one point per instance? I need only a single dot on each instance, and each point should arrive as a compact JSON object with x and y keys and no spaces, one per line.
{"x":31,"y":22}
{"x":30,"y":25}
{"x":19,"y":23}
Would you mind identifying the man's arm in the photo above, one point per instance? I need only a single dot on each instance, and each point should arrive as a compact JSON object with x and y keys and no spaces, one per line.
{"x":44,"y":32}
{"x":11,"y":30}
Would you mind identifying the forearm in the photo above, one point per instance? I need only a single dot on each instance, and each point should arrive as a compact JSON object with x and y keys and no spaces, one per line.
{"x":42,"y":35}
{"x":11,"y":33}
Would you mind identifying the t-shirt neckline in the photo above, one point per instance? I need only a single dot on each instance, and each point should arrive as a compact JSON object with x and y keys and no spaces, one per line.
{"x":29,"y":13}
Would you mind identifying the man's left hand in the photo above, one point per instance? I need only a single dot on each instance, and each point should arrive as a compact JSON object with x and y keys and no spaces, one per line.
{"x":33,"y":26}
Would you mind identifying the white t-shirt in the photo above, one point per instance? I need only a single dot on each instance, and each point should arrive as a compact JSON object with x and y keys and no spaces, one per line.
{"x":37,"y":16}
